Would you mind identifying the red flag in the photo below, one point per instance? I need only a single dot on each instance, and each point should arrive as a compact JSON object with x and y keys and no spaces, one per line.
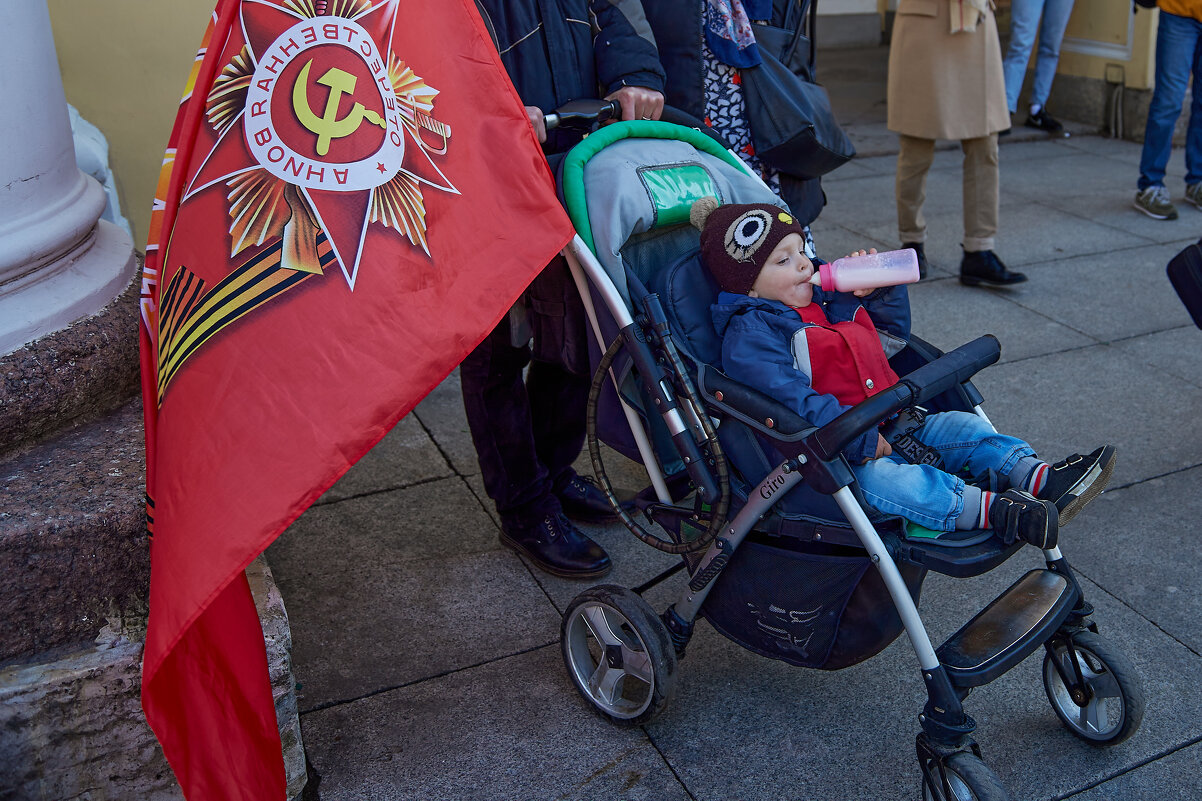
{"x":351,"y":199}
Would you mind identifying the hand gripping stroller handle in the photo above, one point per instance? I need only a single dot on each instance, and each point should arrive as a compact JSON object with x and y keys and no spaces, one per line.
{"x":926,"y":382}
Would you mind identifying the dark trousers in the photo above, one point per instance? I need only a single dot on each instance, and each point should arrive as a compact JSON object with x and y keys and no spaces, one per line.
{"x":528,"y":431}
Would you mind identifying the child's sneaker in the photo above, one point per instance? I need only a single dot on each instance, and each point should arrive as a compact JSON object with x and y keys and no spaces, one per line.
{"x":1193,"y":193}
{"x":1016,"y":514}
{"x":1077,"y":480}
{"x":1154,"y":202}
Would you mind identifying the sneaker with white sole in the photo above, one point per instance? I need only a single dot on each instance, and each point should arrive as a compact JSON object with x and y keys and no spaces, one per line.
{"x":1077,"y":480}
{"x":1154,"y":202}
{"x":1193,"y":193}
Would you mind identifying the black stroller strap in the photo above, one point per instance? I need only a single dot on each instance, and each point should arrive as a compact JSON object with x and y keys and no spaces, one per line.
{"x":899,"y":433}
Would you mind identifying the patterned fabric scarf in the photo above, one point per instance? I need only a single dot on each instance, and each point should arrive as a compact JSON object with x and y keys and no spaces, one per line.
{"x":728,"y":30}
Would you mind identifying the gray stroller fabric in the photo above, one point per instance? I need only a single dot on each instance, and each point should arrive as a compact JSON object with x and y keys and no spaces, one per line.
{"x":621,"y":206}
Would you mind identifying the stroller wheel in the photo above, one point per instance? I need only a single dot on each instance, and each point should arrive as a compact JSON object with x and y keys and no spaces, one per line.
{"x":1107,"y":705}
{"x":618,"y":654}
{"x":965,"y":777}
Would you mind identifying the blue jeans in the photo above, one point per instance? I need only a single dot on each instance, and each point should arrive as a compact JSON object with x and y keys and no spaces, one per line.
{"x":1024,"y":22}
{"x":1178,"y":53}
{"x":927,"y":495}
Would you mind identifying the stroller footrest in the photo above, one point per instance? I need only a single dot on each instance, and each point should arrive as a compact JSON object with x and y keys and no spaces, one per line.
{"x":1006,"y":631}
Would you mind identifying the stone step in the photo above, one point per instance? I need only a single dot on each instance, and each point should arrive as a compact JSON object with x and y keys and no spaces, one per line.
{"x":73,"y":545}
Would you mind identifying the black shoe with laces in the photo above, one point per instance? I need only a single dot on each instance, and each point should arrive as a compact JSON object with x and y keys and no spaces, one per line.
{"x":922,"y":257}
{"x":1043,"y":121}
{"x":984,"y":267}
{"x":1077,"y":480}
{"x":1018,"y":515}
{"x":583,"y":501}
{"x":558,"y":547}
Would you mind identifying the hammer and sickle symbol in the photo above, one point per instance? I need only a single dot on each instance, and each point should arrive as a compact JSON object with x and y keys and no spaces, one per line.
{"x":328,"y":126}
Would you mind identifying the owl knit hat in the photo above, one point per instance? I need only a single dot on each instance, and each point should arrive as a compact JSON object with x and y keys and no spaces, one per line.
{"x":737,"y":239}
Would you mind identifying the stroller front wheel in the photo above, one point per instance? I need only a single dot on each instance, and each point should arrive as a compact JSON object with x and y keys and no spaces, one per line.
{"x":1106,"y":705}
{"x":964,"y":777}
{"x":618,"y":654}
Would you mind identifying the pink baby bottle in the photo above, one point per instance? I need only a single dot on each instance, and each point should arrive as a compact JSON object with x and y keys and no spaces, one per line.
{"x":850,"y":273}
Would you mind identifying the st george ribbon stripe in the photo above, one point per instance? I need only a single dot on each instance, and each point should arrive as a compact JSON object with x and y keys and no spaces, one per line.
{"x":182,"y":332}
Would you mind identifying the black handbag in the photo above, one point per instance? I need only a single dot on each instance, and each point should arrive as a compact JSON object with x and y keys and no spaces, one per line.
{"x":785,"y":40}
{"x":793,"y":127}
{"x":1185,"y":274}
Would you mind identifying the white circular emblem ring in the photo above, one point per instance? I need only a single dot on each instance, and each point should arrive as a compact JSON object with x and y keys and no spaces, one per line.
{"x":263,"y":134}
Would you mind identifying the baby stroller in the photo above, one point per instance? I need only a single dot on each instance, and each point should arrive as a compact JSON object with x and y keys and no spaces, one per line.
{"x":782,"y":555}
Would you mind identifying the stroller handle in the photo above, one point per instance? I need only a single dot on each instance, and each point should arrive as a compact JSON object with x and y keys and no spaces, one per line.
{"x":582,"y":114}
{"x":926,"y":382}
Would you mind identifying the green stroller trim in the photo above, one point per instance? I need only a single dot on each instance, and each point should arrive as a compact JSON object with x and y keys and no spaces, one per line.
{"x":579,"y":156}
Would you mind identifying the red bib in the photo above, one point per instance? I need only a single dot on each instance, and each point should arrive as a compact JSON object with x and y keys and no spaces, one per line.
{"x":846,"y":359}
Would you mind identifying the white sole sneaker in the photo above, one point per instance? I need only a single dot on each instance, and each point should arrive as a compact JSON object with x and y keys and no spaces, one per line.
{"x":1172,"y":215}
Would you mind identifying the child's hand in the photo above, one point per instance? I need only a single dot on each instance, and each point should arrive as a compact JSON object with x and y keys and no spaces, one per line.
{"x":883,"y":448}
{"x":860,"y":293}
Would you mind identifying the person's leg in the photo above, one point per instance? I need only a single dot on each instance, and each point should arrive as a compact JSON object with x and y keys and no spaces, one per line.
{"x":497,"y":405}
{"x":557,"y":384}
{"x":1024,"y":22}
{"x":920,"y":493}
{"x":980,"y":264}
{"x":499,"y":418}
{"x":932,"y":498}
{"x":914,"y":159}
{"x":981,"y":194}
{"x":1193,"y":137}
{"x":557,"y":405}
{"x":1176,"y":42}
{"x":1051,"y":32}
{"x":969,"y":444}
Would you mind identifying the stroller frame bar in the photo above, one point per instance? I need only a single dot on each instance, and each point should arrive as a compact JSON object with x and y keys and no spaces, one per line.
{"x":584,"y":266}
{"x":906,"y":608}
{"x":779,"y":481}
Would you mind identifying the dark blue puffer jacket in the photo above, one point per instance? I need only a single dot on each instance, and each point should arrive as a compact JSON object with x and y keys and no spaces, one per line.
{"x":759,"y":345}
{"x":553,"y":54}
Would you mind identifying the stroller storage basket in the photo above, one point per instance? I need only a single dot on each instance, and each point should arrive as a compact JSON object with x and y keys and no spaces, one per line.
{"x":817,"y":607}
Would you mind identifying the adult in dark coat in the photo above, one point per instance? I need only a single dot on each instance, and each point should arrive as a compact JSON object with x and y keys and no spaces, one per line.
{"x":527,"y":432}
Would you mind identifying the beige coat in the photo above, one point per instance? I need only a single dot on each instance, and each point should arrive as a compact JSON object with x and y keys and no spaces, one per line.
{"x":944,"y":85}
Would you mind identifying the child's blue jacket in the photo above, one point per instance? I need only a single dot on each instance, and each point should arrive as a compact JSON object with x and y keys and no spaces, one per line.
{"x":760,"y":344}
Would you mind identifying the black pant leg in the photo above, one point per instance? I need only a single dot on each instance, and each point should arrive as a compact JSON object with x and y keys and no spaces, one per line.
{"x":499,"y":416}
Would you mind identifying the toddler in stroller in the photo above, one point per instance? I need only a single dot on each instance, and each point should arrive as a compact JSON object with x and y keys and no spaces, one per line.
{"x":822,"y":352}
{"x":784,"y":553}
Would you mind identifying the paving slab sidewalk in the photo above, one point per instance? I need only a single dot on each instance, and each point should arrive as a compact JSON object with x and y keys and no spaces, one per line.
{"x":427,"y":654}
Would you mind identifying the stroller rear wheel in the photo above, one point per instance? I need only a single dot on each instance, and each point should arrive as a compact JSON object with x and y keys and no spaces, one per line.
{"x":618,"y":654}
{"x":1106,"y":704}
{"x":965,"y":777}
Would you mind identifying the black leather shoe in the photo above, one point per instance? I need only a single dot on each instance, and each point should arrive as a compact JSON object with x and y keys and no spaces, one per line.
{"x":984,"y":267}
{"x":922,"y":257}
{"x":582,"y":500}
{"x":558,"y":547}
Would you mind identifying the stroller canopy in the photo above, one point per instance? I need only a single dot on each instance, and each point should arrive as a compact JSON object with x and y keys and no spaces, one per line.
{"x":633,"y":183}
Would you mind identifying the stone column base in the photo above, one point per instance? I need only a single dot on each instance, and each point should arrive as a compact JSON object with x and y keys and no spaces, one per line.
{"x":72,"y":727}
